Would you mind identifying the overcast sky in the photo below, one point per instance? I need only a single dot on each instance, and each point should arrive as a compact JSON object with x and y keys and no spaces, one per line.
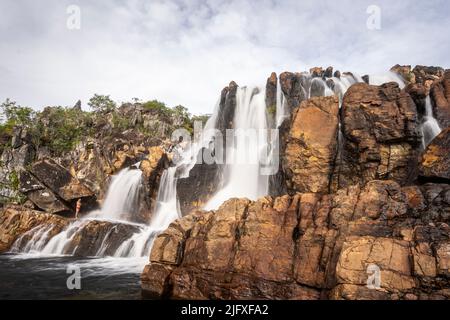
{"x":185,"y":52}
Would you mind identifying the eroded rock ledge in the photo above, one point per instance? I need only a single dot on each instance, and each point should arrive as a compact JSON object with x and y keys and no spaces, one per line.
{"x":309,"y":246}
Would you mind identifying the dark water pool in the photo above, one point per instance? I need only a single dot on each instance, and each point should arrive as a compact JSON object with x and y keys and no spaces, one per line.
{"x":36,"y":277}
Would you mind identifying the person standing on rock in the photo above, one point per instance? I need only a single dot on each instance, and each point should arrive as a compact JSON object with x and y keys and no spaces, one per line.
{"x":77,"y":208}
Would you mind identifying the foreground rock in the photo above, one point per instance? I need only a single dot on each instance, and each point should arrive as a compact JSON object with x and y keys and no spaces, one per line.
{"x":16,"y":221}
{"x":435,"y":161}
{"x":310,"y":246}
{"x":24,"y":229}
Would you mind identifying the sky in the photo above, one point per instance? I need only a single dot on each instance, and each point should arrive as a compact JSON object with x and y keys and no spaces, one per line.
{"x":185,"y":51}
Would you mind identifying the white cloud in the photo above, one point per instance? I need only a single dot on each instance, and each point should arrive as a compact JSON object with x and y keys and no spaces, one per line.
{"x":185,"y":52}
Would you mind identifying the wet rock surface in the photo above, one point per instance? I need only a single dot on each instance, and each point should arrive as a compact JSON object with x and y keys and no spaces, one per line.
{"x":435,"y":160}
{"x":309,"y":246}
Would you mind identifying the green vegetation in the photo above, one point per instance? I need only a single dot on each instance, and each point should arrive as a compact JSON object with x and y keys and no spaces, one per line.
{"x":272,"y":110}
{"x":60,"y":129}
{"x":157,"y":107}
{"x":101,"y":103}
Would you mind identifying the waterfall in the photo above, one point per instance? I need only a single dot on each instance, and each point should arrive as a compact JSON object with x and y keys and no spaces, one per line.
{"x":246,"y":151}
{"x":282,"y":111}
{"x":122,"y":197}
{"x":120,"y":205}
{"x":430,"y":127}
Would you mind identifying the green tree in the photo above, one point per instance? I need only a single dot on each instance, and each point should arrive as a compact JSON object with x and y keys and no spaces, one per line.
{"x":14,"y":114}
{"x":101,"y":103}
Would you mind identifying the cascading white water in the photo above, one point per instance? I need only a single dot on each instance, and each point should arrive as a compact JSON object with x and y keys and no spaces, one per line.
{"x":122,"y":199}
{"x":242,"y":176}
{"x":430,"y":126}
{"x":282,"y":111}
{"x":120,"y":205}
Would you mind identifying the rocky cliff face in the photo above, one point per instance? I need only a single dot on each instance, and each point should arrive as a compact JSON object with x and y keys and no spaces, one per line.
{"x":365,"y":203}
{"x":310,"y":246}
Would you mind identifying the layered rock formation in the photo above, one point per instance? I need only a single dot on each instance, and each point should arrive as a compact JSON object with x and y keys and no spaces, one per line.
{"x":440,"y":92}
{"x":435,"y":160}
{"x":53,"y":189}
{"x":310,"y":246}
{"x":381,"y":136}
{"x":16,"y":221}
{"x":311,"y":146}
{"x":22,"y":228}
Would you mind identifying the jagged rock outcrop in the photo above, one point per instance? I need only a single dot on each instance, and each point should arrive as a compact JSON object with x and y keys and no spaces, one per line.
{"x":15,"y":221}
{"x":20,"y":154}
{"x":48,"y":181}
{"x":309,"y":156}
{"x":440,"y":94}
{"x":405,"y":72}
{"x":380,"y":136}
{"x":19,"y":226}
{"x":434,"y":164}
{"x":271,"y":99}
{"x":41,"y":196}
{"x":310,"y":246}
{"x":427,"y":75}
{"x":292,"y":85}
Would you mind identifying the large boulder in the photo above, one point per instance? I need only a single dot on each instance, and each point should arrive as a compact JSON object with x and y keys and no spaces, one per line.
{"x":380,"y":136}
{"x":310,"y":246}
{"x":434,"y":162}
{"x":16,"y":221}
{"x":440,"y":94}
{"x":41,"y":196}
{"x":308,"y":160}
{"x":60,"y":181}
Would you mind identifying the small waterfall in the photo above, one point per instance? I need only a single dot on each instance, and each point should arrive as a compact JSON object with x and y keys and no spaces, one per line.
{"x":282,"y":111}
{"x":430,"y":127}
{"x":118,"y":210}
{"x":122,"y":198}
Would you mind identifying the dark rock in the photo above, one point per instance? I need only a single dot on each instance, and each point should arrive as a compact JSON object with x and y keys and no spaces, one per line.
{"x":434,"y":163}
{"x":291,"y":85}
{"x":271,"y":99}
{"x":366,"y":78}
{"x":40,"y":195}
{"x":328,"y":72}
{"x":194,"y":191}
{"x":424,"y":74}
{"x":77,"y":105}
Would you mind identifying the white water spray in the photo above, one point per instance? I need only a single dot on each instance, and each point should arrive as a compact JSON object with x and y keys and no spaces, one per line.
{"x":430,"y":126}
